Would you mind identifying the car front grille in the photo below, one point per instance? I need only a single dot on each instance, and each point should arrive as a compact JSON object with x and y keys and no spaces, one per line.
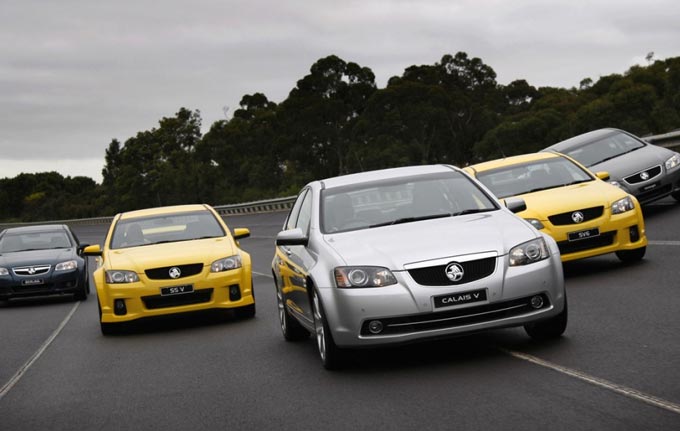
{"x":650,"y":173}
{"x":603,"y":240}
{"x":197,"y":297}
{"x":436,"y":275}
{"x":455,"y":318}
{"x":565,"y":218}
{"x":31,"y":270}
{"x":164,"y":272}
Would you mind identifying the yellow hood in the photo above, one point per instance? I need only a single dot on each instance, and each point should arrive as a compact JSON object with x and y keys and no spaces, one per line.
{"x":558,"y":200}
{"x":140,"y":258}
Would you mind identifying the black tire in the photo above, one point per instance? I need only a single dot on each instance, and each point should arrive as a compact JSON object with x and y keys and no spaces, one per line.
{"x":247,"y":312}
{"x":630,"y":256}
{"x":332,"y":357}
{"x":290,"y":327}
{"x":106,"y":328}
{"x":81,"y":294}
{"x":549,"y":328}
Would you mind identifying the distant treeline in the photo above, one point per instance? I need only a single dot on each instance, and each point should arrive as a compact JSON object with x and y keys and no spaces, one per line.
{"x":337,"y":121}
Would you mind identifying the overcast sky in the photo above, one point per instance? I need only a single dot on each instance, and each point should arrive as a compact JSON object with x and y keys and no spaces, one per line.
{"x":75,"y":74}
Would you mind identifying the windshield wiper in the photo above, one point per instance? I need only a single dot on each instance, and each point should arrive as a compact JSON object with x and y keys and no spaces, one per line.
{"x":576,"y":182}
{"x":473,"y":211}
{"x":411,"y":219}
{"x":538,"y":189}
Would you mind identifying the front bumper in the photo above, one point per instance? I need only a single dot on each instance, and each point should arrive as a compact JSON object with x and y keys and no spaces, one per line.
{"x":407,"y":312}
{"x":228,"y":289}
{"x":52,"y":284}
{"x":625,"y":231}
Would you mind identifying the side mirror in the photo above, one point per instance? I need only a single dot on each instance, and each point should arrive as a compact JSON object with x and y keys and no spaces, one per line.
{"x":292,"y":237}
{"x":92,"y":250}
{"x":516,"y":205}
{"x":241,"y":232}
{"x":604,"y":176}
{"x":82,"y":247}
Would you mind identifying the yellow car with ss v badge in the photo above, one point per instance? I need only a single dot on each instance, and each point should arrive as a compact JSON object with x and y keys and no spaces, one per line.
{"x":584,"y":214}
{"x":170,"y":260}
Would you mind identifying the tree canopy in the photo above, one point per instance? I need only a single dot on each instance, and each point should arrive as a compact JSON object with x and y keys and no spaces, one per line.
{"x":336,"y":121}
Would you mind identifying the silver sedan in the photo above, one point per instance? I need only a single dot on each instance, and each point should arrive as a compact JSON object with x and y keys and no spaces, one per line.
{"x":412,"y":253}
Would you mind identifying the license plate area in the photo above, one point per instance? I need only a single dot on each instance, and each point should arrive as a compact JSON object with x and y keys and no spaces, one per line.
{"x":649,"y":187}
{"x":460,"y":298}
{"x":33,"y":282}
{"x":583,"y":234}
{"x":177,"y":290}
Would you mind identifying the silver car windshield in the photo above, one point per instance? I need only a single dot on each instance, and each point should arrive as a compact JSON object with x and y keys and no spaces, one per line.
{"x":164,"y":228}
{"x":383,"y":203}
{"x":533,"y":176}
{"x":604,"y":149}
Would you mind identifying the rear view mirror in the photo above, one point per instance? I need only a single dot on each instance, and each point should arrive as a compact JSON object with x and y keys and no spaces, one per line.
{"x":515,"y":205}
{"x":292,"y":237}
{"x":92,"y":250}
{"x":604,"y":176}
{"x":241,"y":232}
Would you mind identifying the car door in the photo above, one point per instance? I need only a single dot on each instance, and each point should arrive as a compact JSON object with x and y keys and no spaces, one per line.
{"x":294,"y":261}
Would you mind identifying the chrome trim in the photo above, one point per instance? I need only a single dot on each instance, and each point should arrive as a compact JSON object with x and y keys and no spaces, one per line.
{"x":25,"y":271}
{"x":447,"y":260}
{"x":426,"y":322}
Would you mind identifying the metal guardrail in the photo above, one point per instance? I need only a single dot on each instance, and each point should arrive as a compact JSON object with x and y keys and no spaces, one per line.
{"x":669,"y":140}
{"x":269,"y":205}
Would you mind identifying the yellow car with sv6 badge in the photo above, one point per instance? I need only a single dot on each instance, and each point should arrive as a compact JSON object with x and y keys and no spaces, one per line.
{"x":584,"y":214}
{"x":171,"y":260}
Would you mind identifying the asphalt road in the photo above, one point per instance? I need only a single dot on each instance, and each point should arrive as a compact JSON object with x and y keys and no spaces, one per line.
{"x":616,"y":368}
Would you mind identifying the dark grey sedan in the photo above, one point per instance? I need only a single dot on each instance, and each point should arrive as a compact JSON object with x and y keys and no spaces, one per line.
{"x":42,"y":261}
{"x":648,"y":172}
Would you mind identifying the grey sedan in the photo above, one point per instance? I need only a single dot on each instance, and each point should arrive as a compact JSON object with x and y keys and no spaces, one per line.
{"x":412,"y":253}
{"x":648,"y":172}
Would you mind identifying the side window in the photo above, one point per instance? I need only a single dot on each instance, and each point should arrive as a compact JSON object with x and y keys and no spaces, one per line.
{"x":305,"y":213}
{"x":291,"y":221}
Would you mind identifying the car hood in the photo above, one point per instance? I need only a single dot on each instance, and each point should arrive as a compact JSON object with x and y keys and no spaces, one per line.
{"x":398,"y":245}
{"x":570,"y":198}
{"x":635,"y":161}
{"x":138,"y":259}
{"x":36,"y":257}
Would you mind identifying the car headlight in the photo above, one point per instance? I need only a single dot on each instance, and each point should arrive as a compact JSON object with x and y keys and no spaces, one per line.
{"x":363,"y":276}
{"x":673,"y":162}
{"x":623,"y":205}
{"x":66,"y":266}
{"x":226,"y":264}
{"x":4,"y":271}
{"x":529,"y":252}
{"x":120,"y":276}
{"x":535,"y":223}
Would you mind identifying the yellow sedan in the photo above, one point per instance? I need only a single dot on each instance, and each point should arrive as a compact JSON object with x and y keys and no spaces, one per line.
{"x":584,"y":214}
{"x":171,"y":260}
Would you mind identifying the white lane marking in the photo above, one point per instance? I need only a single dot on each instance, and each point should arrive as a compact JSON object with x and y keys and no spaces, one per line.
{"x":17,"y":376}
{"x":663,"y":242}
{"x":262,"y":274}
{"x":620,"y":389}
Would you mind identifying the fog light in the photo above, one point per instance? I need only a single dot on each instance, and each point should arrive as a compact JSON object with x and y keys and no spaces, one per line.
{"x":119,"y":308}
{"x":234,"y":292}
{"x":537,"y":301}
{"x":634,"y":234}
{"x":375,"y":326}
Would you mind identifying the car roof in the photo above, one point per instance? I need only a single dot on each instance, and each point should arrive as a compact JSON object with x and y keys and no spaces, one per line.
{"x":36,"y":228}
{"x":584,"y":138}
{"x":513,"y":160}
{"x":163,"y":210}
{"x":384,"y":174}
